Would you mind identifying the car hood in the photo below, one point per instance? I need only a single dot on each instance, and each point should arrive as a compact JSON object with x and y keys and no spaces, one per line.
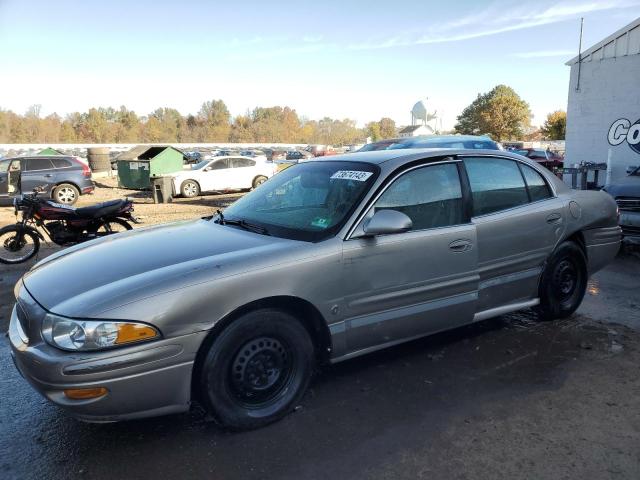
{"x":96,"y":276}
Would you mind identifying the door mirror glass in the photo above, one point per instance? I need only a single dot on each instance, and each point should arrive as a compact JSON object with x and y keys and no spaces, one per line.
{"x":385,"y":222}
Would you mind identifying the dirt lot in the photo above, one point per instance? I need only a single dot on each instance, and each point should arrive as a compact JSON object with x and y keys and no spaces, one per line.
{"x":509,"y":398}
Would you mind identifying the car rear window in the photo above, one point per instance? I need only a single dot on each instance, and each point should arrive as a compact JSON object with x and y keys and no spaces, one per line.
{"x":496,"y":184}
{"x":538,"y":188}
{"x":61,"y":163}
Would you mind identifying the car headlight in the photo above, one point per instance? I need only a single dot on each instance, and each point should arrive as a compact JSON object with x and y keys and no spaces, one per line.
{"x":83,"y":335}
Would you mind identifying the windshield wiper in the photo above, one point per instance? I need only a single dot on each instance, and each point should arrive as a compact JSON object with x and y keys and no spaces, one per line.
{"x":241,"y":223}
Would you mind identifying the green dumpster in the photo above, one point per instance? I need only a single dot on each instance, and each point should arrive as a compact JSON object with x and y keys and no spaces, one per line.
{"x":138,"y":165}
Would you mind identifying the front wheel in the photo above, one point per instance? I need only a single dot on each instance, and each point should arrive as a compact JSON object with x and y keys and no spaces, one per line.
{"x":190,"y":189}
{"x":257,"y":369}
{"x":17,"y":244}
{"x":563,"y":282}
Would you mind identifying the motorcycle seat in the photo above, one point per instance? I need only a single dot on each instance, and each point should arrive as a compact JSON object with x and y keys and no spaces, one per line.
{"x":100,"y":209}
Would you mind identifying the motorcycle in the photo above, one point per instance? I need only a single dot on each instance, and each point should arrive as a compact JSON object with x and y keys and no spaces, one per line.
{"x":64,"y":225}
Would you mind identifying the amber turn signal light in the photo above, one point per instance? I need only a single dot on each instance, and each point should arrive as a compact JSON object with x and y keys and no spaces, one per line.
{"x":131,"y":332}
{"x":85,"y":393}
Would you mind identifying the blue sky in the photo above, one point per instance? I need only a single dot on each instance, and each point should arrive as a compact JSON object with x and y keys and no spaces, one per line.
{"x":358,"y":59}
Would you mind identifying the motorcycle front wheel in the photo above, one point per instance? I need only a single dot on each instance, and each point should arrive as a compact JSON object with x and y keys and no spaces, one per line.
{"x":17,"y":244}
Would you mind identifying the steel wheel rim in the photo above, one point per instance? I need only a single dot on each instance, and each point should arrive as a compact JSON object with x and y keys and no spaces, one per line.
{"x":261,"y":371}
{"x":565,"y":279}
{"x":260,"y":181}
{"x":66,"y":195}
{"x":190,"y":189}
{"x":11,"y":245}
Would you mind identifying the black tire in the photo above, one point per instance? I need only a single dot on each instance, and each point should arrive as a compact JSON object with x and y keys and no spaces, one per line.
{"x":66,"y":194}
{"x":259,"y":180}
{"x":190,"y":189}
{"x":113,"y":225}
{"x":257,"y":369}
{"x":563,"y":282}
{"x":12,"y":240}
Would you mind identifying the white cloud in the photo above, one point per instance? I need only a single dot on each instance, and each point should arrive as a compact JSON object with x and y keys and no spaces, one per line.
{"x":499,"y":18}
{"x":544,"y":54}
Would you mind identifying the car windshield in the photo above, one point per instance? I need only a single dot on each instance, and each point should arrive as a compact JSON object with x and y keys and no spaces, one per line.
{"x":309,"y":201}
{"x":200,"y":165}
{"x":4,"y":165}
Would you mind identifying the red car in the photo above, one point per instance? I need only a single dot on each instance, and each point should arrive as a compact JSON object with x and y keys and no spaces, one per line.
{"x":547,"y":158}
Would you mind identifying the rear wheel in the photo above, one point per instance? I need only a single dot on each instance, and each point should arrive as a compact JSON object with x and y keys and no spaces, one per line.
{"x":257,"y":369}
{"x":66,"y":193}
{"x":190,"y":189}
{"x":563,"y":282}
{"x":17,"y":245}
{"x":113,"y":225}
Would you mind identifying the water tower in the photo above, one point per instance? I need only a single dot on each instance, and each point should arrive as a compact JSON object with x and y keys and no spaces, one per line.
{"x":419,"y":114}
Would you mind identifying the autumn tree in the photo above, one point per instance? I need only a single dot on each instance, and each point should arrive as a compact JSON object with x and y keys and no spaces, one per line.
{"x":555,"y":126}
{"x":500,"y":113}
{"x":384,"y":128}
{"x":214,"y":122}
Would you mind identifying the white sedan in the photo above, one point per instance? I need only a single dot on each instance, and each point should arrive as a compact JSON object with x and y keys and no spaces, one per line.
{"x":222,"y":174}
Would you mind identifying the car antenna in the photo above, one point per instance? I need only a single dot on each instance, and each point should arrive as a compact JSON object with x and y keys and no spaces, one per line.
{"x":219,"y":212}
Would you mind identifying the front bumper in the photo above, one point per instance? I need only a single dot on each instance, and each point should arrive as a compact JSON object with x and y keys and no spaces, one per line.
{"x":630,"y":224}
{"x":142,"y":380}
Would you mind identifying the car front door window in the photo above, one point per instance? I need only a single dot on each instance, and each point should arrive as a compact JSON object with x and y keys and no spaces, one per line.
{"x":430,"y":196}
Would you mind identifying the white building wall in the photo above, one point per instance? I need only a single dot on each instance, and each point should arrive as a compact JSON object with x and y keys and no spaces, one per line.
{"x":609,"y":91}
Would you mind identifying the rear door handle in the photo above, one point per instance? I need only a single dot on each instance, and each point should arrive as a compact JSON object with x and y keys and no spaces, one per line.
{"x":48,"y":175}
{"x":554,"y":218}
{"x":461,"y":245}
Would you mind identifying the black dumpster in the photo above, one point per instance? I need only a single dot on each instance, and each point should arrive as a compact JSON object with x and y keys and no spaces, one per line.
{"x":161,"y":189}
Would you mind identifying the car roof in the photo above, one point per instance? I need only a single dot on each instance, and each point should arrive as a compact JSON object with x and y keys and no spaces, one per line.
{"x":409,"y":154}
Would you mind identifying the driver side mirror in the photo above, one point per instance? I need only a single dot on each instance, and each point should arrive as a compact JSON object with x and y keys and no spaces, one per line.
{"x":385,"y":222}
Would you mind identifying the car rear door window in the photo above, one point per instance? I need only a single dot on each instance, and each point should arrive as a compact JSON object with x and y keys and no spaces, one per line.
{"x":38,"y":164}
{"x":430,"y":196}
{"x":496,"y":184}
{"x":61,"y":162}
{"x":536,"y":184}
{"x":242,"y":162}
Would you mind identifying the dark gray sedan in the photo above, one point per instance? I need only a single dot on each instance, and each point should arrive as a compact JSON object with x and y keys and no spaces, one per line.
{"x":325,"y":261}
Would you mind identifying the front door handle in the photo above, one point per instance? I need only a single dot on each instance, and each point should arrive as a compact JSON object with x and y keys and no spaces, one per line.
{"x":554,"y":218}
{"x":461,"y":245}
{"x":48,"y":175}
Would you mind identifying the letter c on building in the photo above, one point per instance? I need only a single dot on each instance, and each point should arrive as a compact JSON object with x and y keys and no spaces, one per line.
{"x":617,"y":137}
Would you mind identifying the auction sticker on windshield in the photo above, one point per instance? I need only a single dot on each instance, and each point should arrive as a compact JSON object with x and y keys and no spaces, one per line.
{"x":351,"y":175}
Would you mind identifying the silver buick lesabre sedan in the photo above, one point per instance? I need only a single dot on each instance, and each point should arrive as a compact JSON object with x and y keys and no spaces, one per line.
{"x":327,"y":260}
